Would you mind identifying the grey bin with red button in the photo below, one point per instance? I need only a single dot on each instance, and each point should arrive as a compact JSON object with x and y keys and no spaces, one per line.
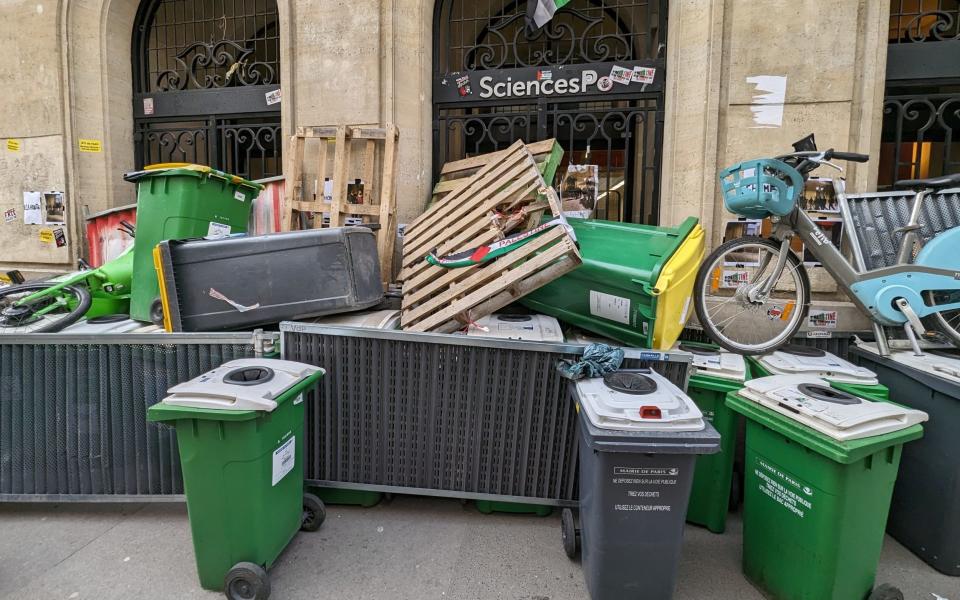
{"x":639,"y":439}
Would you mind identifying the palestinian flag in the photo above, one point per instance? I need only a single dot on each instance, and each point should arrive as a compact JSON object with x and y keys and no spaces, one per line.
{"x":539,"y":12}
{"x":485,"y":254}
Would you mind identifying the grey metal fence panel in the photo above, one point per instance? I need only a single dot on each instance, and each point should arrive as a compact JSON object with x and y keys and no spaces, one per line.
{"x":73,"y":415}
{"x":434,"y":415}
{"x":876,"y":218}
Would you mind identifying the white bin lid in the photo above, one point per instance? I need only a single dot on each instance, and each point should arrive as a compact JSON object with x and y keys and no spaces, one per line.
{"x":839,"y":415}
{"x":536,"y":328}
{"x":943,"y":364}
{"x":373,"y":319}
{"x":805,"y":360}
{"x":715,"y":363}
{"x":637,"y":400}
{"x":243,"y":384}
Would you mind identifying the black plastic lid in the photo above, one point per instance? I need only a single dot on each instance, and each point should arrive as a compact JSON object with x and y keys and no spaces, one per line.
{"x":630,"y":382}
{"x":698,"y":350}
{"x":798,"y":350}
{"x":514,"y":318}
{"x":249,"y":376}
{"x":114,"y":318}
{"x":827,"y":394}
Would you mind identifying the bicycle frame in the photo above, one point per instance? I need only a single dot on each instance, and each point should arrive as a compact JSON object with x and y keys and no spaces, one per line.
{"x":874,"y":291}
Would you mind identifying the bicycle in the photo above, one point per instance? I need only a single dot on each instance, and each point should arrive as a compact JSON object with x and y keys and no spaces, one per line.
{"x":752,"y":294}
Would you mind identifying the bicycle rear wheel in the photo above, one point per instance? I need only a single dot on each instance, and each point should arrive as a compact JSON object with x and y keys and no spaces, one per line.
{"x":948,"y":322}
{"x":45,"y":315}
{"x":730,"y":304}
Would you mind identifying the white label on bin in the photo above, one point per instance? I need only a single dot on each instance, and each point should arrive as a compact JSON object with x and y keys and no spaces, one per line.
{"x":217,"y":230}
{"x":298,"y":400}
{"x":238,"y":195}
{"x":283,"y":459}
{"x":785,"y":489}
{"x":610,"y":307}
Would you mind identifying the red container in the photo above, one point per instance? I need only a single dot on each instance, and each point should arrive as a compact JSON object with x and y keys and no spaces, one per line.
{"x":104,"y":240}
{"x":265,"y":215}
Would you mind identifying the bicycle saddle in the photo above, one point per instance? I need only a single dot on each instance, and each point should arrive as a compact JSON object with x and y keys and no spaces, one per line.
{"x":936,"y":183}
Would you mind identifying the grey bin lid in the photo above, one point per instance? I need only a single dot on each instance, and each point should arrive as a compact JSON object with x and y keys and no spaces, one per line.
{"x":637,"y":400}
{"x":243,"y":384}
{"x":715,"y":363}
{"x":801,"y":360}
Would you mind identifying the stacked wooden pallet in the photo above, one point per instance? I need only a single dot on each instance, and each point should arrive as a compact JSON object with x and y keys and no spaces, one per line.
{"x":506,"y":194}
{"x":368,"y":154}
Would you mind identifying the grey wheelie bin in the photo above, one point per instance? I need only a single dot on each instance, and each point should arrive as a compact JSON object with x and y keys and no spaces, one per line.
{"x":639,"y":439}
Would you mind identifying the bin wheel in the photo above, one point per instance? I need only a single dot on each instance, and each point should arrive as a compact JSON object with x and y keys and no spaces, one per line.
{"x":246,"y":581}
{"x":156,"y":312}
{"x":885,"y":591}
{"x":314,"y":512}
{"x":569,"y":533}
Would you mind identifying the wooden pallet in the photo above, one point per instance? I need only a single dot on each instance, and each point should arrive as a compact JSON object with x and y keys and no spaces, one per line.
{"x":455,"y":174}
{"x":356,"y":152}
{"x":471,"y":215}
{"x":461,"y":296}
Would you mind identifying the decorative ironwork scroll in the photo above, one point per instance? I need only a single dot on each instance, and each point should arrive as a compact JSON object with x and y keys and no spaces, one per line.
{"x":203,"y":65}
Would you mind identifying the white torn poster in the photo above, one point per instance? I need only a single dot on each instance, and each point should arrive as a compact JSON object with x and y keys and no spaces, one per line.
{"x":767,"y":107}
{"x":32,"y":211}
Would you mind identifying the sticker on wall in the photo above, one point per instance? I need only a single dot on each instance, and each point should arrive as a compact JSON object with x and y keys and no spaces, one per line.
{"x":54,"y":208}
{"x":148,"y":106}
{"x":90,"y":145}
{"x":60,"y":237}
{"x":643,"y":75}
{"x":32,"y":211}
{"x":10,"y":215}
{"x":604,"y":84}
{"x":734,"y":278}
{"x":822,"y":319}
{"x":621,"y":75}
{"x":46,"y":236}
{"x":463,"y":86}
{"x":13,"y":145}
{"x":767,"y":106}
{"x":273,"y":97}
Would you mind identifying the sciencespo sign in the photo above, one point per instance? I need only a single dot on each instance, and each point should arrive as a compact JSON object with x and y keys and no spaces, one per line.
{"x":620,"y":78}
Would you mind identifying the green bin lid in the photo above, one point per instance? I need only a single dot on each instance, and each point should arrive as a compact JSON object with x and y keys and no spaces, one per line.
{"x":842,"y":452}
{"x":188,"y":170}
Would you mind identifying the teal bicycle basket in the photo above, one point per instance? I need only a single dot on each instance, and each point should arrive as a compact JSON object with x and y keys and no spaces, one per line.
{"x":760,"y":187}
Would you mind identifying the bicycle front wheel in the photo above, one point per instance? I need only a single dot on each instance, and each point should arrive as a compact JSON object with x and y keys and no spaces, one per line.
{"x":47,"y":314}
{"x":742,"y":304}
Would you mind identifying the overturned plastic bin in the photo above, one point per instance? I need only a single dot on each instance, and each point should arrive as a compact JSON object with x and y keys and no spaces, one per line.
{"x":241,"y":439}
{"x":820,"y":464}
{"x":634,"y":285}
{"x":639,"y":439}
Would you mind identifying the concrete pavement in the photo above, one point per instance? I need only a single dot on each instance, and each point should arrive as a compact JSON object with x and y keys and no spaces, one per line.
{"x":408,"y":548}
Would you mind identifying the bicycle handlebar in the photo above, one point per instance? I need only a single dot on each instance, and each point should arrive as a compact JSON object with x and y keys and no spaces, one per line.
{"x":850,"y":156}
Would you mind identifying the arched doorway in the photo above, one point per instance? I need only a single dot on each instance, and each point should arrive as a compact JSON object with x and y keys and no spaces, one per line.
{"x":495,"y":81}
{"x":207,"y":85}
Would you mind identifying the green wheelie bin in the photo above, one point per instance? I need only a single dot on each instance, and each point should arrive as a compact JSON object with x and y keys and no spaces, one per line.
{"x":178,"y":201}
{"x":794,"y":359}
{"x":821,"y":464}
{"x":715,"y":373}
{"x":241,"y":437}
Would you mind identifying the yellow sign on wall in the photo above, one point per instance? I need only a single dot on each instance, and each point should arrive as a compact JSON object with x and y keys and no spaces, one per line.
{"x":46,"y":236}
{"x":91,"y":146}
{"x":13,"y":145}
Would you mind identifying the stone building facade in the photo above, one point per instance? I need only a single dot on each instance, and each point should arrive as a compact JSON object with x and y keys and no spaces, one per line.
{"x":82,"y":70}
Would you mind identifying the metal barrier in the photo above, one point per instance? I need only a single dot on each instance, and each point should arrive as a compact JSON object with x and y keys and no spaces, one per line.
{"x":445,"y":415}
{"x":73,"y":421}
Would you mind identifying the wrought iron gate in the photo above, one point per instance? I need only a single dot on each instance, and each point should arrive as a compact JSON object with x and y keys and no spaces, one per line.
{"x":921,"y":111}
{"x":616,"y":126}
{"x":207,"y":85}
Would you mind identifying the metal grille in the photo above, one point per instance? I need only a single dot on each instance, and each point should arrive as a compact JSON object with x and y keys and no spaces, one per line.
{"x":493,"y":35}
{"x":73,"y":417}
{"x":918,"y":136}
{"x":203,"y":44}
{"x":202,"y":72}
{"x":623,"y":138}
{"x":914,"y":21}
{"x":876,"y":218}
{"x":418,"y":414}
